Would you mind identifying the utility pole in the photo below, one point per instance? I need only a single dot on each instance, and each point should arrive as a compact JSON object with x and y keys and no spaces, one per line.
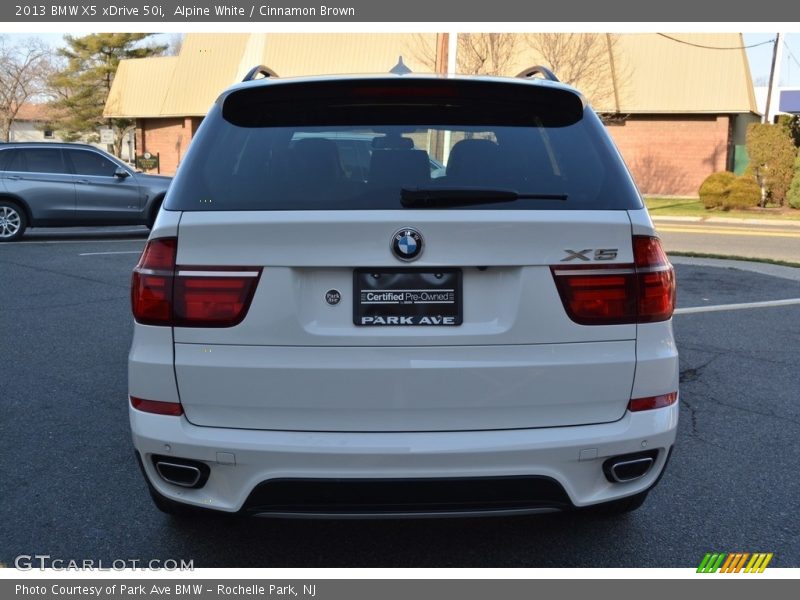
{"x":452,"y":48}
{"x":610,"y":48}
{"x":445,"y":63}
{"x":442,"y":43}
{"x":774,"y":82}
{"x":446,"y":48}
{"x":436,"y":138}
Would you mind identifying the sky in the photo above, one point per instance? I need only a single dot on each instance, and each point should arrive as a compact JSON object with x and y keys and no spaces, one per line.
{"x":760,"y":56}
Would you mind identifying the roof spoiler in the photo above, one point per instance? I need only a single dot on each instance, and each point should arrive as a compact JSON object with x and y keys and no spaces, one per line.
{"x":259,"y":70}
{"x":531,"y":72}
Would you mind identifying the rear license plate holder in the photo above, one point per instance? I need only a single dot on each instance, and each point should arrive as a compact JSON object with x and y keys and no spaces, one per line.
{"x":403,"y":297}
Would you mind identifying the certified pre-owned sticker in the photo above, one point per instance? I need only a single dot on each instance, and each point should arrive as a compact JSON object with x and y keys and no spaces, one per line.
{"x":439,"y":297}
{"x":333,"y":297}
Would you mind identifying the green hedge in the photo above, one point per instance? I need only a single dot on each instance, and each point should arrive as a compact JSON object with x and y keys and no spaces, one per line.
{"x":715,"y":189}
{"x":793,"y":195}
{"x":742,"y":193}
{"x":725,"y":191}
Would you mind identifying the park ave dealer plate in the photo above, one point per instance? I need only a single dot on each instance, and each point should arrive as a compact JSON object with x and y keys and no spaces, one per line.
{"x":407,"y":297}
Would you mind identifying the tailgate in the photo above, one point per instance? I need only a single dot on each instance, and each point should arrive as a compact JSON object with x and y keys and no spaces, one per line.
{"x":299,"y":362}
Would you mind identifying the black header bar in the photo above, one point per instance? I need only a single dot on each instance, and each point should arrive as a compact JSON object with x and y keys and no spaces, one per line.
{"x":419,"y":11}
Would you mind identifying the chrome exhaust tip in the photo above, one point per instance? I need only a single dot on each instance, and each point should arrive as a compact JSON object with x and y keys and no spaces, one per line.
{"x":629,"y":467}
{"x":181,"y":472}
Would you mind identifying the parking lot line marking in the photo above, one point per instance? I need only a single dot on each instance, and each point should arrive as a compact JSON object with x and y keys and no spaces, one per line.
{"x":118,"y":252}
{"x":731,"y":231}
{"x":721,"y":307}
{"x":87,"y":241}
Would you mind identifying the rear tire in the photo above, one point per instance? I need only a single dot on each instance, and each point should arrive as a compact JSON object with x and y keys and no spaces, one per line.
{"x":13,"y":221}
{"x":616,"y":507}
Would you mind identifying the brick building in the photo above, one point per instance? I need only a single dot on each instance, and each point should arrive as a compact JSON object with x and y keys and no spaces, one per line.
{"x":34,"y":123}
{"x":682,"y":108}
{"x":672,"y":154}
{"x":677,"y":106}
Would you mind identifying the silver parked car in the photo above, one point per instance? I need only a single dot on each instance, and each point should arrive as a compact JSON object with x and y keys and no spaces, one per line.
{"x":67,"y":185}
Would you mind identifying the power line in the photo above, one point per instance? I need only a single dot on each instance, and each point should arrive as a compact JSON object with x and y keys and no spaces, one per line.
{"x":791,"y":54}
{"x":669,"y":37}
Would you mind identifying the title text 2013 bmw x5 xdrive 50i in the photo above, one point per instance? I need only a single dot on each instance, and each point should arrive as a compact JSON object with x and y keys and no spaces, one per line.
{"x":496,"y":339}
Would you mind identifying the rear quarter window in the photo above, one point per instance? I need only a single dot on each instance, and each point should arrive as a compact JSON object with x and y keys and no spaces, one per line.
{"x":5,"y":156}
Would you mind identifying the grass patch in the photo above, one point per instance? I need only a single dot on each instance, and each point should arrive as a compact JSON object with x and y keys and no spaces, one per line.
{"x":692,"y":207}
{"x":769,"y":261}
{"x":684,"y":207}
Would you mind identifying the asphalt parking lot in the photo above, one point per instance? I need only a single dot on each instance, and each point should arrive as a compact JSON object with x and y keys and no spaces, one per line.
{"x":71,"y":488}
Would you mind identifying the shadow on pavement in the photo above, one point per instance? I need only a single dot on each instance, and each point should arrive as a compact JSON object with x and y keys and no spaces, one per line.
{"x":57,"y":234}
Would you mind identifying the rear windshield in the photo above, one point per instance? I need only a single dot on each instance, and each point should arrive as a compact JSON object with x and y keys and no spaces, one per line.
{"x":368,"y":148}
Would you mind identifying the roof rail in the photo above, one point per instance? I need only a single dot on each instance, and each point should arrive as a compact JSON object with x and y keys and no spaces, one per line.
{"x":259,"y":70}
{"x":530,"y":72}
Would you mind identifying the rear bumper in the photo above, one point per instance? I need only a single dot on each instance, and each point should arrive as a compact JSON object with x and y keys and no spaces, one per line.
{"x":241,"y":461}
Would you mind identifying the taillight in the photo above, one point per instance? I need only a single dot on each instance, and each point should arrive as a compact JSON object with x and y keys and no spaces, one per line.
{"x":598,"y":295}
{"x":213,"y":298}
{"x":651,"y":402}
{"x":656,"y":279}
{"x":165,"y":294}
{"x":642,"y":292}
{"x":151,"y":286}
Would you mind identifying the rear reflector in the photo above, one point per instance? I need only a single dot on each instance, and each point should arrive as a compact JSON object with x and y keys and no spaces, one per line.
{"x":615,"y":294}
{"x":157,"y":407}
{"x":196,"y":296}
{"x":651,"y":402}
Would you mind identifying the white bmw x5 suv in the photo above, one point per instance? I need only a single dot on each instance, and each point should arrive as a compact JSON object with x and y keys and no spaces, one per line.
{"x":491,"y":338}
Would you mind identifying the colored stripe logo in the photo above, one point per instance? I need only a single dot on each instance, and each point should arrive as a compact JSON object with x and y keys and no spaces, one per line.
{"x":735,"y":562}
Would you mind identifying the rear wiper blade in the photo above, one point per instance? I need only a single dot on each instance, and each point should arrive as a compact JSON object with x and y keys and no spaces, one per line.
{"x":441,"y":197}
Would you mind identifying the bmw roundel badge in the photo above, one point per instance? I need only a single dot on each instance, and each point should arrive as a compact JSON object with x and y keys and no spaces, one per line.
{"x":407,"y":244}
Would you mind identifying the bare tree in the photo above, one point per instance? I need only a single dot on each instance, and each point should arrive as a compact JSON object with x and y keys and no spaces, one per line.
{"x":477,"y":53}
{"x":24,"y":69}
{"x":761,"y":81}
{"x":486,"y":53}
{"x":588,"y":61}
{"x":423,"y":50}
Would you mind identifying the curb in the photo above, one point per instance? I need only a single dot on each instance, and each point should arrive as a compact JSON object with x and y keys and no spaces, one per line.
{"x":783,"y":272}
